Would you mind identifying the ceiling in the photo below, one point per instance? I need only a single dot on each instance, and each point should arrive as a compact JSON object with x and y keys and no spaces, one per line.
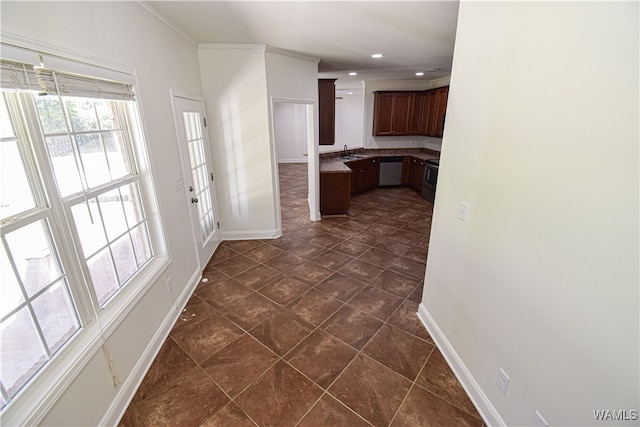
{"x":413,"y":36}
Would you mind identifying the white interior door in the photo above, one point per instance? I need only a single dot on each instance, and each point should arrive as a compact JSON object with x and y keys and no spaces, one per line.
{"x":197,"y":174}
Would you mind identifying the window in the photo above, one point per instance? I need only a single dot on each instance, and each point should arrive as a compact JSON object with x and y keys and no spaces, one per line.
{"x":74,"y":224}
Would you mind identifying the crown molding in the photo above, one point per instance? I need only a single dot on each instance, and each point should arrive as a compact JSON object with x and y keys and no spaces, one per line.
{"x":144,"y":5}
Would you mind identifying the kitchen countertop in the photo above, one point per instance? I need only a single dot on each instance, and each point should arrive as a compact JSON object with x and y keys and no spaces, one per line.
{"x":333,"y":163}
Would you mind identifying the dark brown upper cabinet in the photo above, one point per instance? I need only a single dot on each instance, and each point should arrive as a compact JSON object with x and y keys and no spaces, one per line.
{"x":327,"y":111}
{"x":401,"y":113}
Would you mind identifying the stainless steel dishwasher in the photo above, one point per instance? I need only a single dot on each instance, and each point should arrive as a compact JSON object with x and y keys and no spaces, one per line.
{"x":390,"y":171}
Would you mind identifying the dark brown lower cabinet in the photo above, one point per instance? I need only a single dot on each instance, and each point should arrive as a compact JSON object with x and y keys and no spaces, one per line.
{"x":335,"y":193}
{"x":364,"y":175}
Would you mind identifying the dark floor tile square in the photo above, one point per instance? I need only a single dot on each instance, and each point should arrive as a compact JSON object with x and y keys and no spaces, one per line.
{"x":418,"y":253}
{"x":352,"y":326}
{"x":332,"y":260}
{"x":285,"y":262}
{"x":240,"y":246}
{"x":406,"y":318}
{"x":203,"y":338}
{"x":409,"y":267}
{"x":224,"y":293}
{"x":210,"y":276}
{"x":195,"y":310}
{"x":236,"y":265}
{"x":257,"y":277}
{"x":361,"y":270}
{"x":376,"y":302}
{"x":371,"y":389}
{"x":378,"y":257}
{"x":249,"y":311}
{"x":282,"y":331}
{"x":326,"y":240}
{"x":437,"y":377}
{"x":393,"y":246}
{"x":340,"y":287}
{"x":307,"y":251}
{"x":284,"y":290}
{"x":351,"y":248}
{"x":263,"y":252}
{"x":398,"y":350}
{"x":396,"y":283}
{"x":229,"y":416}
{"x":281,"y":397}
{"x":170,"y":362}
{"x":329,"y":412}
{"x":314,"y":306}
{"x":310,"y":273}
{"x":321,"y":357}
{"x":416,"y":295}
{"x":239,"y":364}
{"x":222,"y":253}
{"x":188,"y":399}
{"x":422,"y":408}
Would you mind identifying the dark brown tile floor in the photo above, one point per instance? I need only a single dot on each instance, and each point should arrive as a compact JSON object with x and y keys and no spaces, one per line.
{"x":316,"y":328}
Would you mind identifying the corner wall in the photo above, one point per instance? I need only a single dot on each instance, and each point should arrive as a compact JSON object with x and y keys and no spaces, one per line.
{"x":542,"y":278}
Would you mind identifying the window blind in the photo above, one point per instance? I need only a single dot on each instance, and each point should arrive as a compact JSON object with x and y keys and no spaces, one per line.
{"x":24,"y":69}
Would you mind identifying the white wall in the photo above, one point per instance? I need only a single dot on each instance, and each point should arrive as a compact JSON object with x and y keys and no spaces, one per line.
{"x":349,"y":129}
{"x":290,"y":130}
{"x":162,"y":60}
{"x":412,"y":141}
{"x":542,"y":278}
{"x":235,"y":89}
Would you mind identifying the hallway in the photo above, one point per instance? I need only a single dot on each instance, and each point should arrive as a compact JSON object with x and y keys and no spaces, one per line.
{"x":316,"y":328}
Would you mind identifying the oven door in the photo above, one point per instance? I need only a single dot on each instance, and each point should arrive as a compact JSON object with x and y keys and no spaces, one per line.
{"x":430,"y":181}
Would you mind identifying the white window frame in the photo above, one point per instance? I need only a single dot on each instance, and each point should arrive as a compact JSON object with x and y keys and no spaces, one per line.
{"x":32,"y":403}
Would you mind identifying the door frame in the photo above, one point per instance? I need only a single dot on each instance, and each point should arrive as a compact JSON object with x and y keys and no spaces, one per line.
{"x":313,"y":165}
{"x":184,"y":161}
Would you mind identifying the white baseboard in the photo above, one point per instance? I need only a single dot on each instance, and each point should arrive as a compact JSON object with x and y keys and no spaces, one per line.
{"x":487,"y":411}
{"x":302,"y":160}
{"x":252,"y":235}
{"x":129,"y":386}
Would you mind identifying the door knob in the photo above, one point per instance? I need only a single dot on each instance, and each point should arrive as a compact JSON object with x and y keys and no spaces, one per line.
{"x":194,"y":200}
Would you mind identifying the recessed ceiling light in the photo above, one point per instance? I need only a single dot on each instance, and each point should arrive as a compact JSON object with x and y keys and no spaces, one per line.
{"x":419,"y":73}
{"x":377,"y":55}
{"x":349,"y":93}
{"x":353,"y":73}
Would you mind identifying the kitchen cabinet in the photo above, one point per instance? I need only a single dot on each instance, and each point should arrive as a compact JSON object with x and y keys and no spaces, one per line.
{"x":406,"y":171}
{"x":416,"y":176}
{"x":326,"y":111}
{"x":436,"y":107}
{"x":392,"y":113}
{"x":335,"y":193}
{"x":364,"y":174}
{"x":401,"y":113}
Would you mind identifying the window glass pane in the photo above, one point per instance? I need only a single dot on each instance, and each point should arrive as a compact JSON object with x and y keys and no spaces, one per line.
{"x":195,"y":153}
{"x":56,"y":315}
{"x":132,"y":205}
{"x":6,"y":127}
{"x":21,"y":351}
{"x":112,"y":214}
{"x":32,"y":254}
{"x":94,"y":161}
{"x":114,"y":146}
{"x":107,"y":115}
{"x":11,"y":293}
{"x":124,"y":258}
{"x":64,"y":164}
{"x":82,"y":114}
{"x":91,"y":233}
{"x":15,"y":191}
{"x":103,"y":275}
{"x":141,"y":244}
{"x":51,"y":115}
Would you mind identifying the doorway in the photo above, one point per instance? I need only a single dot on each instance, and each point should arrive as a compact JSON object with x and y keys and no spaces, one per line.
{"x":197,"y":174}
{"x":294,"y":142}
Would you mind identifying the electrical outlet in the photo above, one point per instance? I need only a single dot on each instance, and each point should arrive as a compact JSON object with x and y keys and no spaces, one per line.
{"x":464,"y":210}
{"x":503,"y":381}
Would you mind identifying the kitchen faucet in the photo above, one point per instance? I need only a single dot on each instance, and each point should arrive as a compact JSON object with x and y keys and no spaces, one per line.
{"x":344,"y":152}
